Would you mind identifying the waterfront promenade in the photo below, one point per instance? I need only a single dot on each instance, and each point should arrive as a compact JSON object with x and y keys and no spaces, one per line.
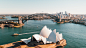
{"x":19,"y":44}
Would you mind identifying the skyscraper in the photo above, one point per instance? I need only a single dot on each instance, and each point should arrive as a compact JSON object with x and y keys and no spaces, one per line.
{"x":65,"y":13}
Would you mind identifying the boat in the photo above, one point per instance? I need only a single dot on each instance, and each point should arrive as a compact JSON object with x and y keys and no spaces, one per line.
{"x":15,"y":34}
{"x":19,"y":26}
{"x":37,"y":26}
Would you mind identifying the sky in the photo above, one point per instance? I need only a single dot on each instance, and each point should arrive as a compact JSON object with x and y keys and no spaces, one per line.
{"x":42,"y":6}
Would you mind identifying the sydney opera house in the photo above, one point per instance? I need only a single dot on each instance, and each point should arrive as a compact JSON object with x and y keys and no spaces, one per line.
{"x":46,"y":36}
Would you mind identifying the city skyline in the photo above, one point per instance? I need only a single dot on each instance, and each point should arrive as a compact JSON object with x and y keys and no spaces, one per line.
{"x":42,"y":6}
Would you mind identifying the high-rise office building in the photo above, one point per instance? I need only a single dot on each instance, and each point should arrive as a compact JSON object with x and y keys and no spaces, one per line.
{"x":65,"y":13}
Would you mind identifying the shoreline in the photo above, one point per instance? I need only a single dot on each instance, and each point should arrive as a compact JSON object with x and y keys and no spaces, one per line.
{"x":19,"y":44}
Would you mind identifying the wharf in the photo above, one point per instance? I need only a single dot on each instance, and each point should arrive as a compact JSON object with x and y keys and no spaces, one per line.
{"x":19,"y":44}
{"x":10,"y":25}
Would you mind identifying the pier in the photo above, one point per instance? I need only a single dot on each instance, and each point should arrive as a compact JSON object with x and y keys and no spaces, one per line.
{"x":62,"y":20}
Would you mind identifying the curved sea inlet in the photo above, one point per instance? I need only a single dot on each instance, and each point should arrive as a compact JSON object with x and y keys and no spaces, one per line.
{"x":75,"y":34}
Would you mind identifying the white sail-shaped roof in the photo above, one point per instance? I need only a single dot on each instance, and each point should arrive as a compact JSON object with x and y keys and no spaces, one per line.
{"x":58,"y":32}
{"x":43,"y":39}
{"x":45,"y":32}
{"x":60,"y":36}
{"x":52,"y":37}
{"x":54,"y":31}
{"x":57,"y":37}
{"x":26,"y":40}
{"x":37,"y":37}
{"x":48,"y":40}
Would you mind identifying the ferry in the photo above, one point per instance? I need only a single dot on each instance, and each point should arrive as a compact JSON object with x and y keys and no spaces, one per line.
{"x":15,"y":34}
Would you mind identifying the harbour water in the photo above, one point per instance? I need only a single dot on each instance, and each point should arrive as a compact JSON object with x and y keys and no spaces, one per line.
{"x":75,"y":34}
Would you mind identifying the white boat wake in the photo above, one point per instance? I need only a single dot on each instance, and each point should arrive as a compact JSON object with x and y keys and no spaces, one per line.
{"x":28,"y":33}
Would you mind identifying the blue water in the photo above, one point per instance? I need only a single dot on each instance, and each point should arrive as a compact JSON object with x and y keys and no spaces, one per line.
{"x":75,"y":34}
